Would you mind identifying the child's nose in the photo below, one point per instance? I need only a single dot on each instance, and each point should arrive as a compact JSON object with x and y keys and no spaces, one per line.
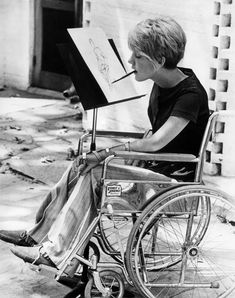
{"x":131,"y":60}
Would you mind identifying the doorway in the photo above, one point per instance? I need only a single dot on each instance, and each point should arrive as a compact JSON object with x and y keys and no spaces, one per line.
{"x":52,"y":18}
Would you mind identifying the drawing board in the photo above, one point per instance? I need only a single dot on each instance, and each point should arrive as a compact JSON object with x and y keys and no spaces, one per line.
{"x":97,"y":66}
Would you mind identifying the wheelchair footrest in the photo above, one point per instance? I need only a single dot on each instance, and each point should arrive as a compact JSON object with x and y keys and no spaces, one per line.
{"x":44,"y":270}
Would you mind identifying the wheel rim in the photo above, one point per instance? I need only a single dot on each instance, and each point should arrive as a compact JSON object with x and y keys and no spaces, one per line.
{"x":124,"y":225}
{"x":109,"y":238}
{"x":111,"y":281}
{"x":203,"y":252}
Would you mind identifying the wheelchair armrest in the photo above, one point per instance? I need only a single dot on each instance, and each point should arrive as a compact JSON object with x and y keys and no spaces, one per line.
{"x":180,"y":157}
{"x":114,"y":134}
{"x":108,"y":134}
{"x":111,"y":134}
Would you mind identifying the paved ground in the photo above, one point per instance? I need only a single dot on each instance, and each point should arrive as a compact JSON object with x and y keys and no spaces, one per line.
{"x":36,"y":135}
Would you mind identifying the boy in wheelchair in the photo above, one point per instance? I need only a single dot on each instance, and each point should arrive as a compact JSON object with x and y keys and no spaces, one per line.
{"x":178,"y":112}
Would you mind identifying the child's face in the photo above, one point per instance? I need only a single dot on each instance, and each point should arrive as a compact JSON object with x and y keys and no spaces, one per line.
{"x":144,"y":67}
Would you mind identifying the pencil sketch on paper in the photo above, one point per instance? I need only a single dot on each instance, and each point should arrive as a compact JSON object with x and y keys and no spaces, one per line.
{"x":102,"y":61}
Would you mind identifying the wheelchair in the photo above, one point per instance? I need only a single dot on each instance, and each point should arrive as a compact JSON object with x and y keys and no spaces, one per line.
{"x":165,"y":238}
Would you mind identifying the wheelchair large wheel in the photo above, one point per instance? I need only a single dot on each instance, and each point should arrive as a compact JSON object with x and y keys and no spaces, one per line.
{"x":183,"y":245}
{"x":123,"y":223}
{"x":110,"y":241}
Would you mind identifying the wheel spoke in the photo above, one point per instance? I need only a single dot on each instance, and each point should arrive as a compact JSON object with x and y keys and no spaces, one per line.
{"x":191,"y":252}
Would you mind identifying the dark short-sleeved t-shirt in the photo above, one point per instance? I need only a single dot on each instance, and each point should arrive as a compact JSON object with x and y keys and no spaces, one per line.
{"x":187,"y":100}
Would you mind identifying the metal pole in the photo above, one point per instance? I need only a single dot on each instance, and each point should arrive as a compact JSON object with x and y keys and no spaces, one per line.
{"x":93,"y":136}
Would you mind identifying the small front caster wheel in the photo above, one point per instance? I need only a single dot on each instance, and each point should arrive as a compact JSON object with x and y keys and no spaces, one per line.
{"x":112,"y":283}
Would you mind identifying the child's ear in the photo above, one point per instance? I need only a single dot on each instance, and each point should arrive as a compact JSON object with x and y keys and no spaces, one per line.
{"x":163,"y":61}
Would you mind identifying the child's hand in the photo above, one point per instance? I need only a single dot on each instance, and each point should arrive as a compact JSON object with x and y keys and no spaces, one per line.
{"x":93,"y":159}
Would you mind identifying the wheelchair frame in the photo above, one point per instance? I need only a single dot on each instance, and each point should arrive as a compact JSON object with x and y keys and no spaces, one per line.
{"x":132,"y":261}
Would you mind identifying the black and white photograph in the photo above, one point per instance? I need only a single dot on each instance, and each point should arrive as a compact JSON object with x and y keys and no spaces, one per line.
{"x":117,"y":148}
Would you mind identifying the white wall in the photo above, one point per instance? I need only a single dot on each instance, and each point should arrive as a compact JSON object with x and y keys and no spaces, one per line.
{"x":2,"y":46}
{"x":16,"y":39}
{"x":116,"y":17}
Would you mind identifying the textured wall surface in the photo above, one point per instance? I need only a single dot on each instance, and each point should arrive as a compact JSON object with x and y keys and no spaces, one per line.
{"x":220,"y":154}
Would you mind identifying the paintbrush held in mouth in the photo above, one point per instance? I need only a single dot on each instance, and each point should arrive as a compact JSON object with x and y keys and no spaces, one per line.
{"x":123,"y":77}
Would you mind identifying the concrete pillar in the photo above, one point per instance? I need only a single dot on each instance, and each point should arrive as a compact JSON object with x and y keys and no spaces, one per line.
{"x":221,"y":152}
{"x":16,"y":39}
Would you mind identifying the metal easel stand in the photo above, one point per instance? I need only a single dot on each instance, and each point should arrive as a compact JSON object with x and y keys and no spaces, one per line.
{"x":94,"y":125}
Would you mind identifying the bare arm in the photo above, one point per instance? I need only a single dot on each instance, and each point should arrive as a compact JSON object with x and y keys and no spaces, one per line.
{"x":170,"y":129}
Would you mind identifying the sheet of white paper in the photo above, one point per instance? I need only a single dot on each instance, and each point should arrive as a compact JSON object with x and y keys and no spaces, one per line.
{"x":102,"y":61}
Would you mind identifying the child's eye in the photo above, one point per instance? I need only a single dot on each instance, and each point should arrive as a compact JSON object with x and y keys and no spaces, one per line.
{"x":138,"y":56}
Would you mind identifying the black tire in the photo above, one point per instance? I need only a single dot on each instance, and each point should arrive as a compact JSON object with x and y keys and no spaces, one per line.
{"x":162,"y":237}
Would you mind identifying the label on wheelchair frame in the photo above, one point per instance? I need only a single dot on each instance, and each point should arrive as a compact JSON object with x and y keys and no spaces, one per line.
{"x":113,"y":190}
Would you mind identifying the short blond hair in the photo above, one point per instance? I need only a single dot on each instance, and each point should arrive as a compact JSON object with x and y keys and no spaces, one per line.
{"x":158,"y":38}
